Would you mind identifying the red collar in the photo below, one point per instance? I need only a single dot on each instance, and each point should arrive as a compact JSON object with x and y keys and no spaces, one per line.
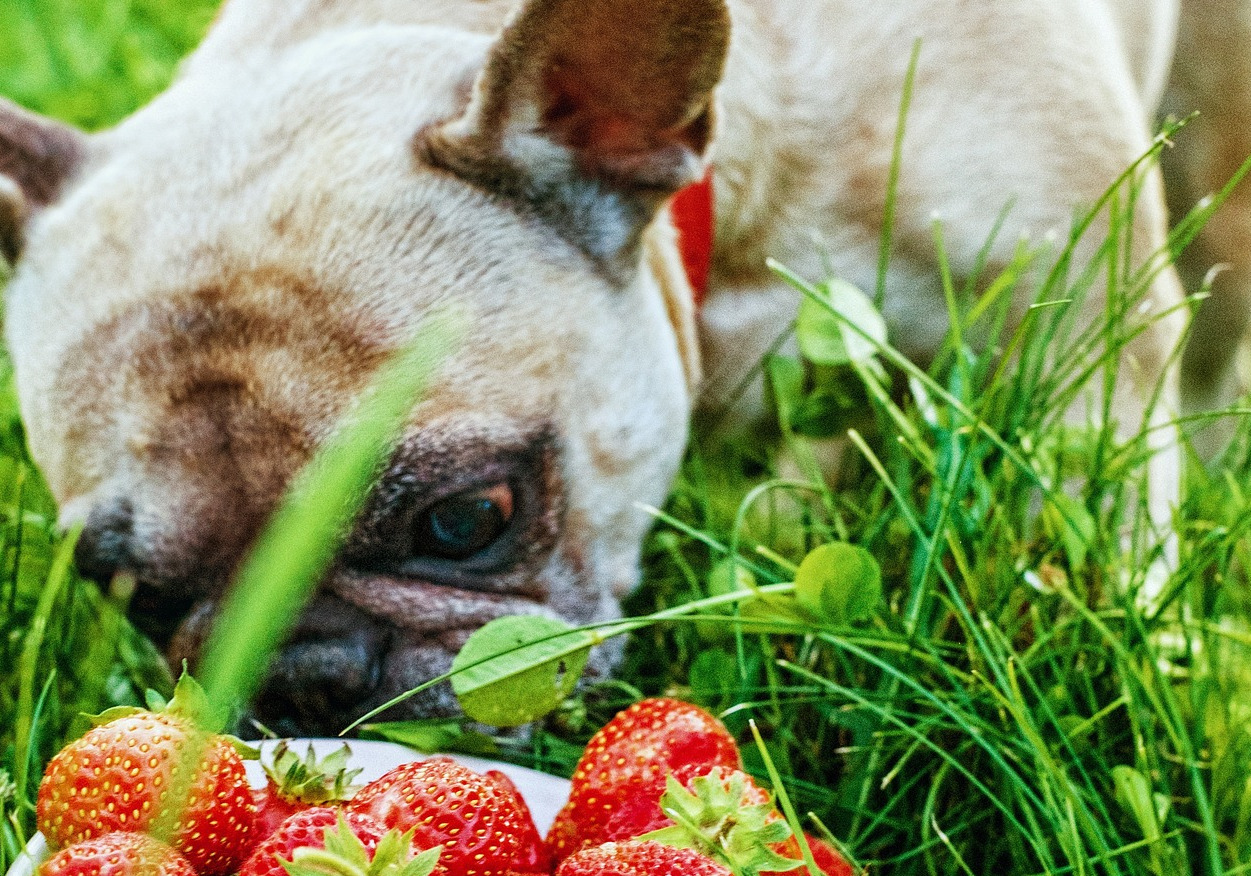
{"x":692,"y":213}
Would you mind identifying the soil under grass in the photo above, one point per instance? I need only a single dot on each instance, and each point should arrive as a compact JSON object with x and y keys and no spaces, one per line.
{"x":1006,"y":706}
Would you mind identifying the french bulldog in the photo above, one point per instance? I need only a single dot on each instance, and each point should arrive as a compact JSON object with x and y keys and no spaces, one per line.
{"x":201,"y":291}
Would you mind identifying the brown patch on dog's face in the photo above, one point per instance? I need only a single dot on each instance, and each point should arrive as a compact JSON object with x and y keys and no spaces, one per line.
{"x":197,"y":313}
{"x":218,"y":397}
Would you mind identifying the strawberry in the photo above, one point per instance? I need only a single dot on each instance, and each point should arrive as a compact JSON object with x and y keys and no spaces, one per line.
{"x":478,"y":820}
{"x":117,"y":854}
{"x":128,"y":772}
{"x":629,"y":758}
{"x":306,"y":829}
{"x":642,"y":814}
{"x":294,"y":784}
{"x":725,"y":815}
{"x":535,"y":857}
{"x":828,"y":861}
{"x":639,"y":859}
{"x":323,"y":840}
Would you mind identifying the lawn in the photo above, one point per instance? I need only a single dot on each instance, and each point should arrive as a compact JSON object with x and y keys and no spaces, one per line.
{"x":945,"y":657}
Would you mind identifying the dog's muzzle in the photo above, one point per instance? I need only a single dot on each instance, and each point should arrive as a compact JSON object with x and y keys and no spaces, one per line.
{"x":363,"y":640}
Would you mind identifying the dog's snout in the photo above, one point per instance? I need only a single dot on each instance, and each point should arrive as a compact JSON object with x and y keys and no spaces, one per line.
{"x":105,"y":545}
{"x":332,"y":664}
{"x":317,"y":685}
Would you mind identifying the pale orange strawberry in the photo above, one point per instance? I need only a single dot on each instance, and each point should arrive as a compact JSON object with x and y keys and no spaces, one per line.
{"x":124,"y":774}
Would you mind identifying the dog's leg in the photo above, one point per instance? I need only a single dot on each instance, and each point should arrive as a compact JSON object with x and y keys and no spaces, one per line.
{"x":1212,"y":74}
{"x":1148,"y":392}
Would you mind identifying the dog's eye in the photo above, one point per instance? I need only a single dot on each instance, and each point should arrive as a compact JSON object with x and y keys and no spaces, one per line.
{"x":463,"y":525}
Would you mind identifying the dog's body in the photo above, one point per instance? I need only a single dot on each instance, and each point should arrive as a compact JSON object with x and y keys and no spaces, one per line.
{"x":205,"y":288}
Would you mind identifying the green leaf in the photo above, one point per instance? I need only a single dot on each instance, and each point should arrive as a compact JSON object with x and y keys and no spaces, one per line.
{"x":730,"y":575}
{"x":824,"y":328}
{"x":245,"y":751}
{"x":189,"y":701}
{"x":826,"y":411}
{"x":112,"y":714}
{"x":343,"y":854}
{"x":839,"y":583}
{"x":422,"y":864}
{"x":516,"y":669}
{"x":780,"y":614}
{"x":713,"y":675}
{"x":310,"y":779}
{"x":155,"y":702}
{"x":1133,"y":792}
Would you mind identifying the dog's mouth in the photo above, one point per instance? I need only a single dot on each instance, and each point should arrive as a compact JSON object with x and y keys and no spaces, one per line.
{"x":363,"y":641}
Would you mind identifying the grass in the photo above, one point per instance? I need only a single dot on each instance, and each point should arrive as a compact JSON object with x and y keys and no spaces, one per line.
{"x":1006,"y":705}
{"x":1009,"y":707}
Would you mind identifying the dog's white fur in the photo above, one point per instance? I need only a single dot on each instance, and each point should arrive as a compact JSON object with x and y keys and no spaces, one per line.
{"x":327,"y":163}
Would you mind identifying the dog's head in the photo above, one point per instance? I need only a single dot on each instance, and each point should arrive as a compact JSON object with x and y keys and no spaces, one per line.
{"x":201,"y":292}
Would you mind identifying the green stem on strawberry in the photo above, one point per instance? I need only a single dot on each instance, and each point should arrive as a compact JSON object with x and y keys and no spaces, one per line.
{"x":694,"y":836}
{"x":310,"y":860}
{"x":345,"y":855}
{"x":712,"y":819}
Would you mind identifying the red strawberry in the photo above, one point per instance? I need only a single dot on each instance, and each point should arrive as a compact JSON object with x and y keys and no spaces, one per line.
{"x":535,"y":857}
{"x":630,"y":758}
{"x":477,"y":819}
{"x":722,"y":814}
{"x":641,"y":814}
{"x":272,"y":809}
{"x":295,"y":784}
{"x":117,"y":854}
{"x":639,"y":859}
{"x":307,"y":829}
{"x":120,"y":775}
{"x":325,"y":840}
{"x":829,"y":861}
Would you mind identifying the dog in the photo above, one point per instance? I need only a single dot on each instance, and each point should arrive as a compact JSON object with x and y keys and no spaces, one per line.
{"x":202,"y":291}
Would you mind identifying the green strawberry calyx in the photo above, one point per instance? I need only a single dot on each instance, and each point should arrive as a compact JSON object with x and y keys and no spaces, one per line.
{"x":345,"y":855}
{"x":308,"y":779}
{"x":711,"y":819}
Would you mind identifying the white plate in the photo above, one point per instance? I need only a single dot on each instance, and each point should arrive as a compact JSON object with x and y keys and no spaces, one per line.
{"x":544,"y":794}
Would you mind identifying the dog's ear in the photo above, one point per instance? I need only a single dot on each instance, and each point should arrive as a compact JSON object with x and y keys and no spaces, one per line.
{"x":593,"y":113}
{"x":37,"y":156}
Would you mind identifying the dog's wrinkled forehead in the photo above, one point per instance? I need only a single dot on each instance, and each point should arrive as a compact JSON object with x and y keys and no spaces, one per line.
{"x":287,"y":191}
{"x":306,"y":156}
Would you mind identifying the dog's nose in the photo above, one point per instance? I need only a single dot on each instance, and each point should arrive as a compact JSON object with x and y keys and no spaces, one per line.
{"x":317,"y":685}
{"x":105,"y":545}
